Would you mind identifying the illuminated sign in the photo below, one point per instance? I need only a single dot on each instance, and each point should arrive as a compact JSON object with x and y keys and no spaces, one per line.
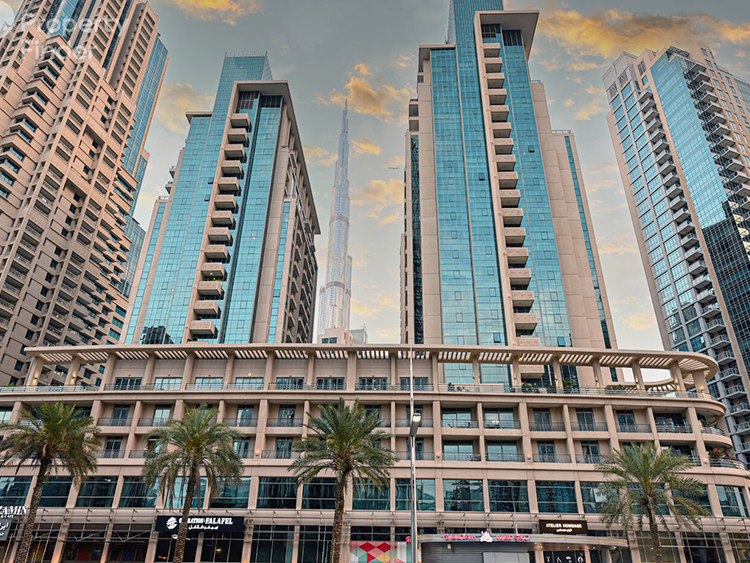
{"x":563,"y":527}
{"x":486,"y":537}
{"x":13,"y":512}
{"x":226,"y":524}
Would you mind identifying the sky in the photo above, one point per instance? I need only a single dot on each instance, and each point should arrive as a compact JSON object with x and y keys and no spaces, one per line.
{"x":329,"y":50}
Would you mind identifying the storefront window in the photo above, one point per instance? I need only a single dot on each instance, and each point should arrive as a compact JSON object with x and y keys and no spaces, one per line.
{"x":509,"y":496}
{"x":97,"y":492}
{"x":320,"y":494}
{"x":87,"y":552}
{"x":55,"y":492}
{"x":703,"y":548}
{"x":669,"y":548}
{"x":222,"y":548}
{"x":166,"y":546}
{"x":272,"y":544}
{"x":277,"y":492}
{"x":425,"y":494}
{"x":315,"y":544}
{"x":232,"y":496}
{"x":369,"y":497}
{"x":463,"y":495}
{"x":135,"y":494}
{"x":732,"y":501}
{"x":740,"y":547}
{"x":557,"y":497}
{"x":127,"y":552}
{"x":592,"y":497}
{"x":14,"y":490}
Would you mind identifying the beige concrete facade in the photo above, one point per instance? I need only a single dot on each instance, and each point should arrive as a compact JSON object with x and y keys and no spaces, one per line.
{"x":65,"y":121}
{"x":268,"y":392}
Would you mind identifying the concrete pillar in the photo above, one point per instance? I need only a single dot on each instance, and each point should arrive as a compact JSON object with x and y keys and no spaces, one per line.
{"x":587,"y":554}
{"x":393,"y":372}
{"x":73,"y":368}
{"x":676,"y":373}
{"x":35,"y":369}
{"x":569,"y":435}
{"x":148,"y":372}
{"x":222,"y":410}
{"x":475,"y":370}
{"x":229,"y":368}
{"x":726,"y":545}
{"x":523,"y":416}
{"x":515,"y":373}
{"x":699,"y":377}
{"x":652,"y":425}
{"x":268,"y":375}
{"x":538,"y":553}
{"x":57,"y":554}
{"x":609,"y":415}
{"x":599,"y":380}
{"x":557,"y":371}
{"x":151,"y":551}
{"x":635,"y":366}
{"x":109,"y":368}
{"x":437,"y":431}
{"x":480,"y":423}
{"x":187,"y":371}
{"x":351,"y":372}
{"x":310,"y":380}
{"x":699,"y":444}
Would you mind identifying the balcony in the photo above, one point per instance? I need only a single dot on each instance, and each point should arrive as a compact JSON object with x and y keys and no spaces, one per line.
{"x":217,"y":252}
{"x":503,"y":146}
{"x":502,"y":424}
{"x":237,"y":135}
{"x":231,"y":167}
{"x":284,"y":423}
{"x":512,"y":217}
{"x":219,"y":235}
{"x":111,"y":454}
{"x":229,"y":186}
{"x":589,"y":427}
{"x":213,"y":270}
{"x":674,"y":428}
{"x":210,"y":289}
{"x":206,"y":308}
{"x":451,"y":456}
{"x":460,"y":424}
{"x":505,"y":162}
{"x":552,"y":458}
{"x":670,"y":179}
{"x":509,"y":198}
{"x":225,"y":201}
{"x":506,"y":458}
{"x":203,"y":328}
{"x":695,"y":252}
{"x":741,"y":407}
{"x":697,"y":267}
{"x":725,"y":357}
{"x":279,"y":454}
{"x":495,"y":80}
{"x":634,"y":428}
{"x":240,"y":120}
{"x":727,"y":374}
{"x":519,"y":276}
{"x":499,"y":113}
{"x":525,"y":321}
{"x":712,"y":430}
{"x":418,"y":456}
{"x":243,"y":422}
{"x":517,"y":255}
{"x":406,"y":423}
{"x":590,"y":459}
{"x":506,"y":180}
{"x":743,"y":428}
{"x":701,"y":282}
{"x":547,"y":427}
{"x":706,"y":296}
{"x":222,"y":218}
{"x":153,"y":422}
{"x":500,"y":130}
{"x":118,"y":422}
{"x":234,"y":152}
{"x":522,"y":298}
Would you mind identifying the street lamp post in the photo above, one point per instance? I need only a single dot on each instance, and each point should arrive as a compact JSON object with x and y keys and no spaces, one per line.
{"x":416,"y":418}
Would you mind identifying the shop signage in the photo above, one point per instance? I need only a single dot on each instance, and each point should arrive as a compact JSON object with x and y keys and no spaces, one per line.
{"x":4,"y":528}
{"x":486,"y":537}
{"x":226,"y":524}
{"x":13,"y":512}
{"x":563,"y":527}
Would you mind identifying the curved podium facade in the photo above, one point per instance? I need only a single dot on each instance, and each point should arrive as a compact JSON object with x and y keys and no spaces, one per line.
{"x":515,"y":464}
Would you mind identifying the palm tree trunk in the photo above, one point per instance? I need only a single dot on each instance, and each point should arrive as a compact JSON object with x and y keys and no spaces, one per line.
{"x":36,"y":497}
{"x":338,"y":521}
{"x":655,"y":541}
{"x":183,"y":529}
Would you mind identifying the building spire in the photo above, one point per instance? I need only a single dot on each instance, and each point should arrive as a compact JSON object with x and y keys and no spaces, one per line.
{"x":335,"y":296}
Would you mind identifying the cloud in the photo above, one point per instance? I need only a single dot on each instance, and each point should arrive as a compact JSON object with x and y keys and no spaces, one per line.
{"x":227,"y":11}
{"x":378,"y":196}
{"x":177,"y":99}
{"x":617,"y":245}
{"x":404,"y":61}
{"x":377,"y":302}
{"x":363,"y":69}
{"x":364,"y":146}
{"x":379,"y":99}
{"x":389,"y":219}
{"x":569,"y":103}
{"x":317,"y":156}
{"x":586,"y":112}
{"x":397,"y":162}
{"x":364,"y":310}
{"x":389,"y":334}
{"x":639,"y":321}
{"x":606,"y":33}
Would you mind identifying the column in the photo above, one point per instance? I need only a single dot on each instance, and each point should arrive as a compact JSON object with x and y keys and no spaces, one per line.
{"x":187,"y":371}
{"x":699,"y":444}
{"x":635,"y":366}
{"x":148,"y":372}
{"x":599,"y":381}
{"x":351,"y":372}
{"x":538,"y":553}
{"x":569,"y":433}
{"x":516,"y":373}
{"x":34,"y":370}
{"x":523,"y":415}
{"x":609,"y":414}
{"x":73,"y":367}
{"x":310,"y":368}
{"x":558,"y":373}
{"x":475,"y":370}
{"x":109,"y":367}
{"x":587,"y":554}
{"x":229,"y":368}
{"x":676,"y":372}
{"x":268,"y":375}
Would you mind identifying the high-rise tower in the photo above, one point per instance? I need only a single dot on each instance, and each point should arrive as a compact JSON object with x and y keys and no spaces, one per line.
{"x":230,"y":255}
{"x":335,"y":295}
{"x":680,"y":124}
{"x":79,"y":83}
{"x":498,"y":248}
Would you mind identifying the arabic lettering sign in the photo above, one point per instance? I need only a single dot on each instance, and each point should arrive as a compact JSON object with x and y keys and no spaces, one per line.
{"x":226,"y":524}
{"x":563,"y":527}
{"x":486,"y":537}
{"x":13,"y":512}
{"x":4,"y":528}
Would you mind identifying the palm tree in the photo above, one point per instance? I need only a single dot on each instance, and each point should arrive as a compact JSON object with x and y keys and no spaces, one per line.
{"x":640,"y":480}
{"x":55,"y":436}
{"x":185,"y":449}
{"x":347,"y":444}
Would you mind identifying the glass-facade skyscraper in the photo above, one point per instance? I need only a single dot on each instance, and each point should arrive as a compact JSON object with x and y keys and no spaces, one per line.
{"x":498,"y":246}
{"x":230,"y":255}
{"x":80,"y":82}
{"x":680,"y":124}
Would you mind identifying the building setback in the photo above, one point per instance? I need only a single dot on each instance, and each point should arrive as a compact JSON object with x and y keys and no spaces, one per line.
{"x":336,"y":294}
{"x":230,"y":253}
{"x":680,"y":126}
{"x":75,"y":106}
{"x":498,"y":244}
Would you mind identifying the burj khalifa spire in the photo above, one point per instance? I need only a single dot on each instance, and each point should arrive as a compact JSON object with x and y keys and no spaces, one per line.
{"x":335,"y":295}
